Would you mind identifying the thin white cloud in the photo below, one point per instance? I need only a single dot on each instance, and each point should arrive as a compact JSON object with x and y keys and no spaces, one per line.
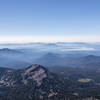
{"x":25,"y":39}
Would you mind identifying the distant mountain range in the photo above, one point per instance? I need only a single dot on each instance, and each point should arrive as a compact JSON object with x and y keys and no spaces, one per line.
{"x":7,"y":50}
{"x":51,"y":60}
{"x":13,"y":58}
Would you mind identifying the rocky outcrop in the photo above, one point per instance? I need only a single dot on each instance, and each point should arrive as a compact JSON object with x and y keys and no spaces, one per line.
{"x":32,"y":74}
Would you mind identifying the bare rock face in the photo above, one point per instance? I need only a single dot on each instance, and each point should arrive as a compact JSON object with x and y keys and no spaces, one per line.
{"x":36,"y":73}
{"x":32,"y":74}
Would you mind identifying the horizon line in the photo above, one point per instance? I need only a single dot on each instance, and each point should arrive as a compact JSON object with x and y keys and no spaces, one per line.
{"x":48,"y":42}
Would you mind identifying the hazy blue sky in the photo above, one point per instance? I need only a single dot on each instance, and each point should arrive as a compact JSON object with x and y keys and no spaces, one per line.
{"x":49,"y":20}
